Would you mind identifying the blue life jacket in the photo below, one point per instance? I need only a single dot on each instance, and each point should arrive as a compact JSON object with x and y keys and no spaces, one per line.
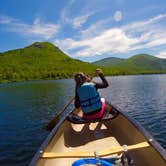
{"x":89,"y":97}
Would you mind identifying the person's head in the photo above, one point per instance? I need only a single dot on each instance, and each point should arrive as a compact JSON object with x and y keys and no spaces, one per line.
{"x":81,"y":78}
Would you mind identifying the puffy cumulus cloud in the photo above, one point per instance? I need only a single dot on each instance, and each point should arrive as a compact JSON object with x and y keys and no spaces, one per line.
{"x":130,"y":37}
{"x":38,"y":29}
{"x":112,"y":40}
{"x":69,"y":44}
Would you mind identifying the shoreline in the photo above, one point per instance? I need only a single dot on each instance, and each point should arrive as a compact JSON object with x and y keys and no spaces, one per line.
{"x":60,"y":78}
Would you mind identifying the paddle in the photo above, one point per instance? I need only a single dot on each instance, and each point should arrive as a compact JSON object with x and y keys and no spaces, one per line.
{"x":83,"y":153}
{"x":56,"y":118}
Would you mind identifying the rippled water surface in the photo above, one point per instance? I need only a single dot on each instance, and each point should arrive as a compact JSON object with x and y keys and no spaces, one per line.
{"x":25,"y":108}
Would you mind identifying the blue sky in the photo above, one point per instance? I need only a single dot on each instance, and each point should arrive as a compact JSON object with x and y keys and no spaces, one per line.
{"x":88,"y":30}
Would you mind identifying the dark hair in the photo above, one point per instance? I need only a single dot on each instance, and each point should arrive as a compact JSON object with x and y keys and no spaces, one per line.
{"x":80,"y":78}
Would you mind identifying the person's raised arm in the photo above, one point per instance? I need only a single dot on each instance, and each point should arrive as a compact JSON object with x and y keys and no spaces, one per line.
{"x":104,"y":83}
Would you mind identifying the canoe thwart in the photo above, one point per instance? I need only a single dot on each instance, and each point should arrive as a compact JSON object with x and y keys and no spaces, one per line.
{"x":74,"y":118}
{"x":84,"y":153}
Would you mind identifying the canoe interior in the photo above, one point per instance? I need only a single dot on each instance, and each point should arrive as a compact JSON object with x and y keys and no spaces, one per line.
{"x":99,"y":136}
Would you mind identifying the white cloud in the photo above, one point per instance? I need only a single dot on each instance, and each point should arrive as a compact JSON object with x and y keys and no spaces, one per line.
{"x":37,"y":29}
{"x":134,"y":36}
{"x":162,"y":54}
{"x":99,"y":38}
{"x":118,"y":16}
{"x":47,"y":30}
{"x":141,"y":26}
{"x":95,"y":29}
{"x":64,"y":16}
{"x":80,"y":20}
{"x":76,"y":20}
{"x":113,"y":40}
{"x":5,"y":19}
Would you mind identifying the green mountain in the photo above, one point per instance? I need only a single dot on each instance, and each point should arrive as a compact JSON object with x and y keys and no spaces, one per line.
{"x":146,"y":62}
{"x":41,"y":60}
{"x":138,"y":64}
{"x":112,"y":61}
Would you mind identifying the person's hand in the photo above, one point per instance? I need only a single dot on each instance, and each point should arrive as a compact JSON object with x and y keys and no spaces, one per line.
{"x":99,"y":71}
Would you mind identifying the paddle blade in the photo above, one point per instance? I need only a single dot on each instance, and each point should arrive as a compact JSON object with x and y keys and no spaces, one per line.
{"x":52,"y":123}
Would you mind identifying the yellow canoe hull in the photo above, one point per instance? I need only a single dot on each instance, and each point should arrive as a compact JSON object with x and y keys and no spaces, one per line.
{"x":67,"y":138}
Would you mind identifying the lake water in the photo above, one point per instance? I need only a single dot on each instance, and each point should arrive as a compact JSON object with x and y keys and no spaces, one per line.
{"x":25,"y":108}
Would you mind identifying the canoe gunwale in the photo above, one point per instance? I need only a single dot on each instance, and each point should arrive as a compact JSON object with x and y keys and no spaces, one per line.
{"x":150,"y":139}
{"x":134,"y":122}
{"x":49,"y":138}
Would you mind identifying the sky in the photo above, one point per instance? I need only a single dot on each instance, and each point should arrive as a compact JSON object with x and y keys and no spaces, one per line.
{"x":88,"y":30}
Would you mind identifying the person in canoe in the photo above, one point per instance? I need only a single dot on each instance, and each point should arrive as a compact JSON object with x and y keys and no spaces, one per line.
{"x":87,"y":97}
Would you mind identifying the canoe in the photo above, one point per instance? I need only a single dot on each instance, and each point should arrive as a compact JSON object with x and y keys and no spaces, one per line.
{"x":117,"y":140}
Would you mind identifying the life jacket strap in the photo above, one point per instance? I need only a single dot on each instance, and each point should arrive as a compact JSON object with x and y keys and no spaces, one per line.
{"x":90,"y":101}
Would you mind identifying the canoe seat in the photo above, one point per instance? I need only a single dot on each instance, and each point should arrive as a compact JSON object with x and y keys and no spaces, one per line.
{"x":76,"y":119}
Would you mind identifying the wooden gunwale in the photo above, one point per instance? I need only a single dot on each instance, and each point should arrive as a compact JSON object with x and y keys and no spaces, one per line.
{"x":160,"y":150}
